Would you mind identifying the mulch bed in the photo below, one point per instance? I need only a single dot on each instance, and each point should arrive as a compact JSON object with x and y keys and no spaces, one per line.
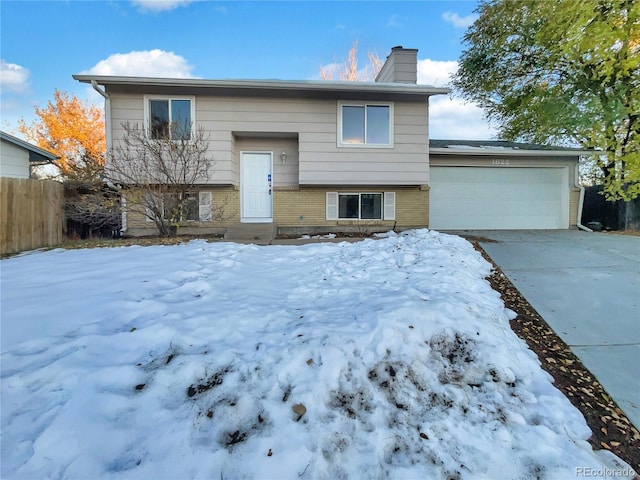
{"x":611,"y":428}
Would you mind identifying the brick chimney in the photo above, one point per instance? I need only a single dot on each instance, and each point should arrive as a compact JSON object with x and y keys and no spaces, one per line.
{"x":401,"y":66}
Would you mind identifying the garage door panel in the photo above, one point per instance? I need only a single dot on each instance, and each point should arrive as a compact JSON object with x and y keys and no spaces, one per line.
{"x":463,"y":198}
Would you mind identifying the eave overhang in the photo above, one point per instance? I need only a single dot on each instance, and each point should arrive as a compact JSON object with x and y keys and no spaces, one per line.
{"x":265,"y":88}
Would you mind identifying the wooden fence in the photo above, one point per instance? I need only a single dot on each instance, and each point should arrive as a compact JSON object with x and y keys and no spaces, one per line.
{"x":31,"y":214}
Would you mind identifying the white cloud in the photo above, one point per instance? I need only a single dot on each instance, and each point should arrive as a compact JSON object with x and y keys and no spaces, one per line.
{"x":160,"y":5}
{"x":455,"y":119}
{"x":435,"y":72}
{"x":146,"y":63}
{"x":451,"y":118}
{"x":395,"y":21}
{"x":13,"y":78}
{"x":458,"y":21}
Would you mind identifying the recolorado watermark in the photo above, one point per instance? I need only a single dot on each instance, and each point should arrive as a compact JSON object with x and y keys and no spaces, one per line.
{"x":590,"y":472}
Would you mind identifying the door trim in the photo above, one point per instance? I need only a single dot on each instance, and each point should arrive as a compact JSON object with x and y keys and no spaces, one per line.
{"x":244,"y":219}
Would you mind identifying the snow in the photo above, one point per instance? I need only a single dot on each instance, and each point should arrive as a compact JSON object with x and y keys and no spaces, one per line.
{"x":186,"y":362}
{"x":328,"y":235}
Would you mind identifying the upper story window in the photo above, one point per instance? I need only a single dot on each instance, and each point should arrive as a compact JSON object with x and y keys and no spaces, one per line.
{"x":369,"y":124}
{"x":169,"y":117}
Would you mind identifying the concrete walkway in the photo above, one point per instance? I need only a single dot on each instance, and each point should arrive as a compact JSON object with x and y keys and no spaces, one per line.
{"x":587,"y":287}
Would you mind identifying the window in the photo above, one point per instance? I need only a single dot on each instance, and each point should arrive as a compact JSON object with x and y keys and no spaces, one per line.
{"x":360,"y":206}
{"x":186,"y":210}
{"x":368,"y":124}
{"x":190,"y":207}
{"x":169,"y":118}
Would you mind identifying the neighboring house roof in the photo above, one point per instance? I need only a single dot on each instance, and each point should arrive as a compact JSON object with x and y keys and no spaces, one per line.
{"x":503,"y":147}
{"x":280,"y":88}
{"x":36,"y":154}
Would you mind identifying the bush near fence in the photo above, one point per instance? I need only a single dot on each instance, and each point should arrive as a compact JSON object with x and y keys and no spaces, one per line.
{"x":31,"y":214}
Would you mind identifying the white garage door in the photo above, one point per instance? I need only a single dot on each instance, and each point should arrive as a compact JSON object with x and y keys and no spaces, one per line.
{"x":498,"y":198}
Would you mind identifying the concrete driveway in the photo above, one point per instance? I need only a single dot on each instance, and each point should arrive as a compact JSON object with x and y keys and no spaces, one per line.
{"x":587,"y":287}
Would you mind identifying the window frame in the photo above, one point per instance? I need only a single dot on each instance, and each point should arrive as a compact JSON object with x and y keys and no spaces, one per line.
{"x":342,"y":143}
{"x":169,"y":98}
{"x":359,"y":194}
{"x":332,"y":205}
{"x":180,"y":196}
{"x":204,"y":205}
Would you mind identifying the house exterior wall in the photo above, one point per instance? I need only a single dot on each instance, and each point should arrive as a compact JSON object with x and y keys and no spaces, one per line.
{"x":225,"y":207}
{"x":298,"y":210}
{"x":574,"y":204}
{"x":303,"y":210}
{"x":14,"y":161}
{"x":321,"y":161}
{"x":498,"y":161}
{"x":284,"y":173}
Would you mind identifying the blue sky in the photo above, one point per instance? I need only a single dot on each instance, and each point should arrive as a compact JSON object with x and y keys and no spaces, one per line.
{"x":44,"y":43}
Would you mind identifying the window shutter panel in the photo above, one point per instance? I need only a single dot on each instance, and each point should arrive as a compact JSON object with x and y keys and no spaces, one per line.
{"x":204,"y":209}
{"x":123,"y":206}
{"x":389,"y":205}
{"x":332,"y":205}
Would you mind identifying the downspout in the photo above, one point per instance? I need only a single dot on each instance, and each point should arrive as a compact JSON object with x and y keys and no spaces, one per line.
{"x":107,"y":126}
{"x":581,"y":201}
{"x":107,"y":111}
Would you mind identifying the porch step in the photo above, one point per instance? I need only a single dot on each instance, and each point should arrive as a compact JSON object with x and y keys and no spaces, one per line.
{"x":261,"y":233}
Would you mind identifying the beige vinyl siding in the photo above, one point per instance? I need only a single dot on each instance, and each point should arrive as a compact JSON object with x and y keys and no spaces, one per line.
{"x":314,"y":121}
{"x":487,"y":161}
{"x":323,"y":162}
{"x":574,"y":204}
{"x":400,"y":66}
{"x":130,"y":108}
{"x":284,"y":174}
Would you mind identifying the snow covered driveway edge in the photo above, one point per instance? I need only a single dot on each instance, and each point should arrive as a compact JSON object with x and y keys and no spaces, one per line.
{"x":388,"y":358}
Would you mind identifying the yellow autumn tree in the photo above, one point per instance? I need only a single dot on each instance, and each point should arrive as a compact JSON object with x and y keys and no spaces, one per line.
{"x":347,"y":69}
{"x":74,"y":131}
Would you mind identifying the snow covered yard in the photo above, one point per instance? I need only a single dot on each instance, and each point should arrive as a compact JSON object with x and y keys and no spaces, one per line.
{"x":387,"y":358}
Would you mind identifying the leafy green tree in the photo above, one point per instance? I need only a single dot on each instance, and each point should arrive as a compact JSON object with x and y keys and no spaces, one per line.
{"x":561,"y":71}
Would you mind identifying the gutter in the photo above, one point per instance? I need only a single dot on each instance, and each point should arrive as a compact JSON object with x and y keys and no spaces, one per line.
{"x":581,"y":201}
{"x":507,"y":151}
{"x":286,"y":85}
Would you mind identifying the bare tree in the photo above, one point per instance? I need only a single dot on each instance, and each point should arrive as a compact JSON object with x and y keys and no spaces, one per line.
{"x":347,"y":70}
{"x":159,"y":175}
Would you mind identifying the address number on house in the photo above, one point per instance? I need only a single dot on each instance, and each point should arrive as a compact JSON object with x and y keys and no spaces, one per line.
{"x":499,"y":161}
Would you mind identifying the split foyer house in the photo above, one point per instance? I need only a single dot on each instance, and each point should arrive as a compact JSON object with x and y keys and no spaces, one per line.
{"x":320,"y":156}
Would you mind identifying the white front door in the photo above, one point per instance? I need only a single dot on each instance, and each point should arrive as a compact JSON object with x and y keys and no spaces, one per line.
{"x":256,"y":186}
